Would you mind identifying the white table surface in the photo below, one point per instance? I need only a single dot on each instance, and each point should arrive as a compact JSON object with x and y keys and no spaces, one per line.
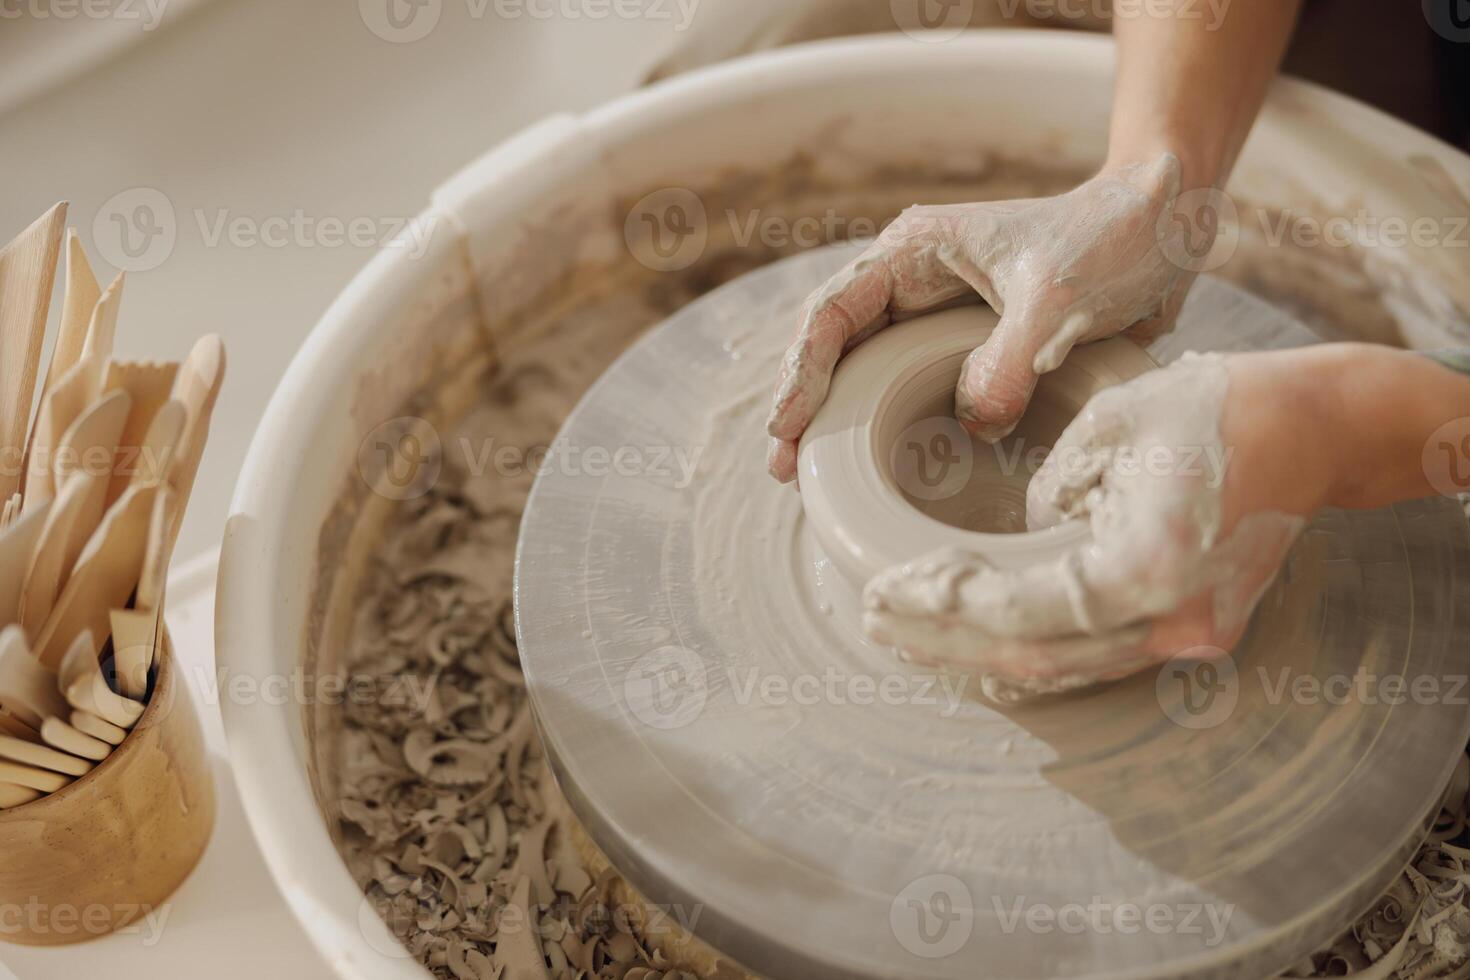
{"x":261,"y":110}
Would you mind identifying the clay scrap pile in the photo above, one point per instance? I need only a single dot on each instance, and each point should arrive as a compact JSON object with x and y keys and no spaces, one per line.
{"x":94,"y":484}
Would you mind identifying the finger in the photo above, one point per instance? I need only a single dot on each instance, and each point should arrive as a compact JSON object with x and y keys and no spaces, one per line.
{"x":1075,"y":466}
{"x":1060,"y":344}
{"x":999,"y":376}
{"x":1077,"y":658}
{"x":1047,"y":600}
{"x":853,"y":302}
{"x":781,"y":460}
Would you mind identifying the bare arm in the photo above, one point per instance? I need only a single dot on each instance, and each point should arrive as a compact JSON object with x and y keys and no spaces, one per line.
{"x":1191,"y":83}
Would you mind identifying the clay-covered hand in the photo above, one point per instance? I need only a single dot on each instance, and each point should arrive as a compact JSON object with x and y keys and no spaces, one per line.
{"x":1194,"y":491}
{"x":1082,"y":266}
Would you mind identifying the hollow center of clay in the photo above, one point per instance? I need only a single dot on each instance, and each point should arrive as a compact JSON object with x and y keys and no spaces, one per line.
{"x":958,"y":480}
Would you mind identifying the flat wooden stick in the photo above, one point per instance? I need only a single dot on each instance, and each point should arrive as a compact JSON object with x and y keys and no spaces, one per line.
{"x":66,"y":738}
{"x":15,"y":728}
{"x":91,"y":693}
{"x":27,"y":274}
{"x":104,"y":578}
{"x":78,"y":301}
{"x":105,"y":731}
{"x":41,"y":779}
{"x":27,"y":689}
{"x":29,"y":754}
{"x":12,"y":795}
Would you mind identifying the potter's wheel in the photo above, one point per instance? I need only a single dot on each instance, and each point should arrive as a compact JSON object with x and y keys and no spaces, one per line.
{"x":814,"y":808}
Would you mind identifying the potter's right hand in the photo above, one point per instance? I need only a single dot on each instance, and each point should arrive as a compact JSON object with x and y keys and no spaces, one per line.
{"x":1079,"y":267}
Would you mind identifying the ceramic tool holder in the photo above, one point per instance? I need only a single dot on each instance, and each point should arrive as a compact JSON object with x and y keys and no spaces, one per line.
{"x":111,"y":847}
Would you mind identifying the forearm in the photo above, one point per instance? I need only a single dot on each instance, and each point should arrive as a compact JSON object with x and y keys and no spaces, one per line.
{"x":1387,"y":408}
{"x":1191,"y":82}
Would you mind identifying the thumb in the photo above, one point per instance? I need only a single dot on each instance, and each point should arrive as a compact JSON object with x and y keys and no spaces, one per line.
{"x":1000,"y":375}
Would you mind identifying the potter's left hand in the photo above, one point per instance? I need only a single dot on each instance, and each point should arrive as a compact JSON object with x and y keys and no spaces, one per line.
{"x":1195,"y":480}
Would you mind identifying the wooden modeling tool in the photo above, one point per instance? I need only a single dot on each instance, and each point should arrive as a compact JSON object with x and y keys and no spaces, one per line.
{"x":198,"y":388}
{"x":79,"y":299}
{"x":41,"y":779}
{"x":68,"y":739}
{"x":150,"y":386}
{"x":104,"y":731}
{"x":17,"y":549}
{"x":74,"y":392}
{"x":104,"y":577}
{"x":30,"y":754}
{"x":27,"y":273}
{"x":71,"y":522}
{"x":28,"y":691}
{"x":12,"y":795}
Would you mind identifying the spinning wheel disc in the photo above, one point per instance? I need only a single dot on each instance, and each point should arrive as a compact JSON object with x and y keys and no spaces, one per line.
{"x":814,"y":807}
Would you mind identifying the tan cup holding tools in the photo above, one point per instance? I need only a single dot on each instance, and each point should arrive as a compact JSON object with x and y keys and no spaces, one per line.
{"x":109,"y":849}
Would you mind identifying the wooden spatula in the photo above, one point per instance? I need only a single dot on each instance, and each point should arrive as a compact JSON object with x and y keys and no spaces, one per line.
{"x":12,"y":795}
{"x":27,"y":273}
{"x":198,"y":388}
{"x":60,"y":735}
{"x":150,"y":386}
{"x":72,"y":394}
{"x":28,"y":754}
{"x":17,"y":547}
{"x":41,"y":779}
{"x":102,"y":330}
{"x":78,"y":301}
{"x":91,"y":441}
{"x":27,"y":689}
{"x":104,"y":577}
{"x":71,"y":521}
